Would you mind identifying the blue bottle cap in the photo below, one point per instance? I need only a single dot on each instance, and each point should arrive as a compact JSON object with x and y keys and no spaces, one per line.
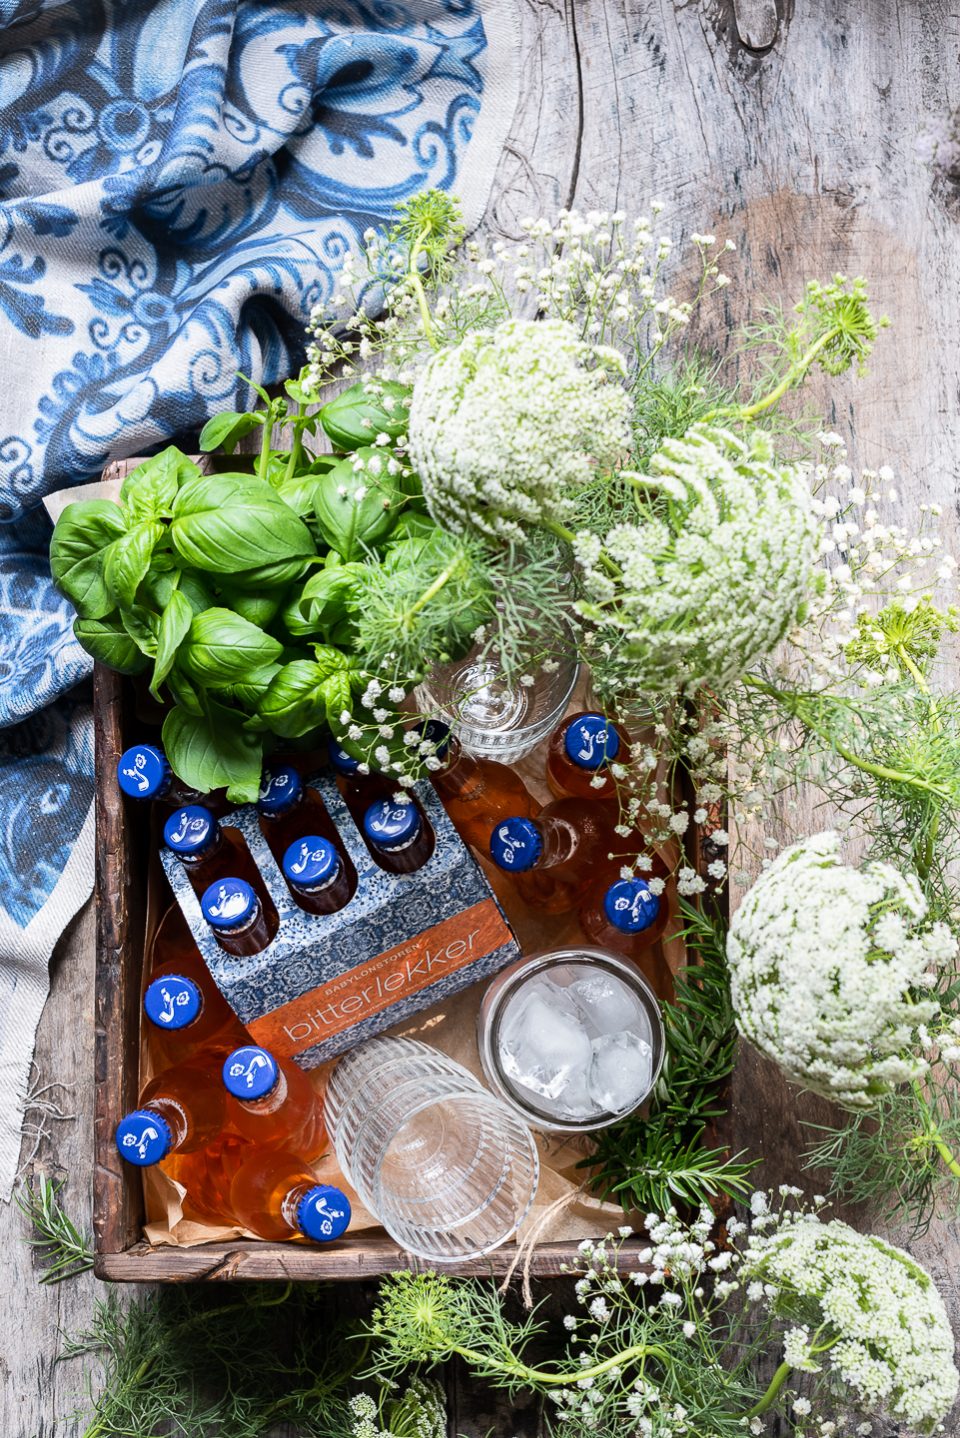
{"x":630,"y":906}
{"x":591,"y":742}
{"x":190,"y":830}
{"x":389,"y":825}
{"x":228,"y":903}
{"x":172,"y":1002}
{"x":310,"y":862}
{"x":438,"y":733}
{"x":323,"y":1213}
{"x":341,"y":761}
{"x":143,"y":772}
{"x":516,"y":845}
{"x":143,"y":1138}
{"x":280,"y":789}
{"x":250,"y":1072}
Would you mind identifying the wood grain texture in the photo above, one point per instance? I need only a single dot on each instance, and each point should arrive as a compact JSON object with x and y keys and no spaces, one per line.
{"x":804,"y":154}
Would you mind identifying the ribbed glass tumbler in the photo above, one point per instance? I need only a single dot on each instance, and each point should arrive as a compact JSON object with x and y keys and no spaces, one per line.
{"x":445,"y":1166}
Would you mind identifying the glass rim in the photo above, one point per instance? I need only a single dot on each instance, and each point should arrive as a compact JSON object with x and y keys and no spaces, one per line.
{"x":539,"y":963}
{"x":484,"y":1095}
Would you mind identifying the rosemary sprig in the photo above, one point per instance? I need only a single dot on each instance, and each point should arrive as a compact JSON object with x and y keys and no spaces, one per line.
{"x":661,"y":1159}
{"x":59,"y":1244}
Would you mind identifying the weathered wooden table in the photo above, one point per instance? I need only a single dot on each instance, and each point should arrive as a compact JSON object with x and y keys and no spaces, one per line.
{"x":789,"y":127}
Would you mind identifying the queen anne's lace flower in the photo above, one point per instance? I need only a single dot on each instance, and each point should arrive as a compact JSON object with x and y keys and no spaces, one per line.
{"x":823,"y":958}
{"x":507,"y":424}
{"x":880,"y":1323}
{"x":715,"y":575}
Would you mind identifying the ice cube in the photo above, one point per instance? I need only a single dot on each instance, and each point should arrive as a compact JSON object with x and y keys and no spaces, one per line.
{"x":606,"y":1004}
{"x":620,"y":1071}
{"x":543,"y":1044}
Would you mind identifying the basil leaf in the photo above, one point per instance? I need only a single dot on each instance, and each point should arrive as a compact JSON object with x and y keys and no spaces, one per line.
{"x":276,"y":576}
{"x":227,"y":523}
{"x":184,"y":692}
{"x":296,"y":701}
{"x":324,"y":599}
{"x":223,"y":648}
{"x":337,"y":696}
{"x":175,"y":623}
{"x":143,"y":626}
{"x":127,"y":560}
{"x":225,"y":431}
{"x":355,"y":418}
{"x":78,"y":546}
{"x":249,"y":692}
{"x":212,"y":751}
{"x":356,"y":508}
{"x":149,"y":491}
{"x":411,"y":525}
{"x":258,"y":608}
{"x":109,"y":643}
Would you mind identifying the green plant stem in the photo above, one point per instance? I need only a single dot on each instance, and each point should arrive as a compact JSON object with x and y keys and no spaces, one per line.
{"x":553,"y":526}
{"x":925,"y":858}
{"x":432,"y":590}
{"x":263,"y":459}
{"x":932,"y":1132}
{"x":420,"y":293}
{"x":296,"y":454}
{"x":772,"y":1393}
{"x":537,"y":1375}
{"x":879,"y":771}
{"x":792,"y":377}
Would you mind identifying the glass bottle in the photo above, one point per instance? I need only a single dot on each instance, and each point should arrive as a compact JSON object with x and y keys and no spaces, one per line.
{"x":241,"y":925}
{"x":206,"y":1175}
{"x":554,"y":858}
{"x":208,"y":850}
{"x":288,"y":809}
{"x":357,"y":790}
{"x":186,"y":1012}
{"x":276,"y":1197}
{"x":181,"y":1110}
{"x":580,"y":752}
{"x":629,"y":919}
{"x":277,"y":1105}
{"x":476,"y":792}
{"x":397,"y":835}
{"x":317,"y":876}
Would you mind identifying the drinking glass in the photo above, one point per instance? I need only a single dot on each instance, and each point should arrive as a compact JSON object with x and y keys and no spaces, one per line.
{"x":447,"y":1169}
{"x":571,"y":1040}
{"x":494,"y":719}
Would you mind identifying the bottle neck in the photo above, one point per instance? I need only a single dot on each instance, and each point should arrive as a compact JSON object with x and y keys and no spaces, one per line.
{"x":322,"y":887}
{"x":244,"y":928}
{"x":560,"y":841}
{"x":459,"y":772}
{"x":174,"y":1115}
{"x":210,"y":852}
{"x":270,"y":1101}
{"x":288,"y":810}
{"x":291,"y":1200}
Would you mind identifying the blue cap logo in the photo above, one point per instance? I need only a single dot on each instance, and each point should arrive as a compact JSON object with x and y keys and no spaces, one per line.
{"x":390,"y":825}
{"x":323,"y":1213}
{"x":250,"y":1072}
{"x":172,"y":1002}
{"x":591,"y":742}
{"x":310,"y":862}
{"x":630,"y":905}
{"x":190,"y":830}
{"x":228,"y":903}
{"x":279,"y":790}
{"x":143,"y":771}
{"x":143,"y":1138}
{"x":516,"y":845}
{"x":343,"y":762}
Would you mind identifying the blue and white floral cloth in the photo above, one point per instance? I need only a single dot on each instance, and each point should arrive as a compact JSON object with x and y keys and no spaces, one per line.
{"x":179,"y":182}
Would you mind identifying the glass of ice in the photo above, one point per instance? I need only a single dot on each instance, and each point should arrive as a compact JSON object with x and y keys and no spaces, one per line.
{"x":444,"y":1165}
{"x":571,"y":1040}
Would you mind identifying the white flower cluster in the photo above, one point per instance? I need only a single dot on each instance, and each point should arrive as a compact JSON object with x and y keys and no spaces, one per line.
{"x":823,"y":958}
{"x":421,"y":1412}
{"x":713,"y":577}
{"x":879,"y":1324}
{"x":507,"y":424}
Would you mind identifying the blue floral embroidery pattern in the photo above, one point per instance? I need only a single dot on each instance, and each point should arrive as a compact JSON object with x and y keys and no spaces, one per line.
{"x":213,"y":162}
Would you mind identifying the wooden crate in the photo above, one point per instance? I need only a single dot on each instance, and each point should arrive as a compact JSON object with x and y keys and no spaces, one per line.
{"x":121,"y":1252}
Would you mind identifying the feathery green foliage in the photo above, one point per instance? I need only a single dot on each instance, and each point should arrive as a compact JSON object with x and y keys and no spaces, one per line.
{"x":60,"y":1246}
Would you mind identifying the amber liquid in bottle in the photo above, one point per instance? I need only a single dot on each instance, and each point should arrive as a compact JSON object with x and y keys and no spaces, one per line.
{"x":207,"y":1175}
{"x":477,"y":793}
{"x":251,"y":936}
{"x":581,"y":751}
{"x":609,"y":929}
{"x":288,"y":809}
{"x":267,"y":1192}
{"x":216,"y":1028}
{"x":576,"y":838}
{"x":191,"y":1100}
{"x":288,"y":1115}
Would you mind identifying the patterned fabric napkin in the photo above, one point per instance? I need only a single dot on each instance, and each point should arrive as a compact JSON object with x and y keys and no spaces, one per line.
{"x":179,"y":183}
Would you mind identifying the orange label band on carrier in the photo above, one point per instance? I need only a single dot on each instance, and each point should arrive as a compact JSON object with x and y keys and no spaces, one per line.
{"x":385,"y":980}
